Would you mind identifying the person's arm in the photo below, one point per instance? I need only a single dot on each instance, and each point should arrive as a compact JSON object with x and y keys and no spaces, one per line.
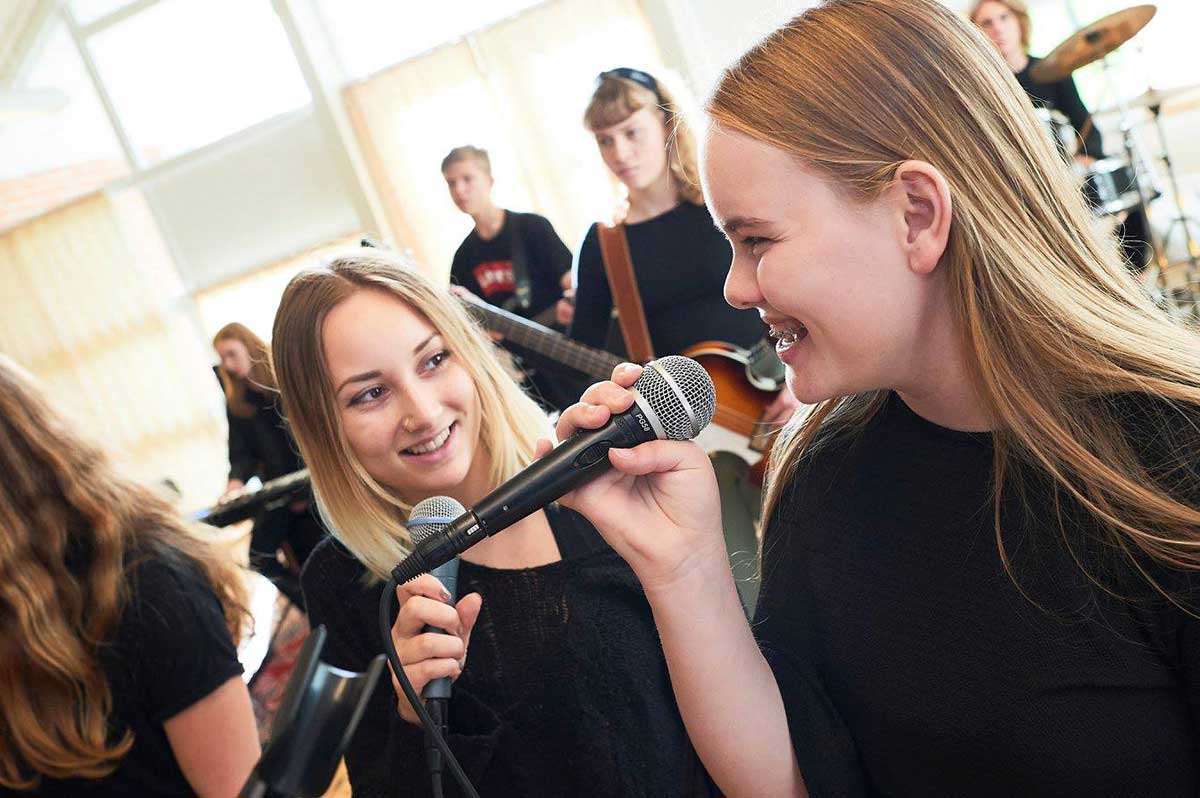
{"x":215,"y":740}
{"x":1069,"y":102}
{"x":556,"y":255}
{"x":188,"y":676}
{"x":659,"y":509}
{"x":593,"y":300}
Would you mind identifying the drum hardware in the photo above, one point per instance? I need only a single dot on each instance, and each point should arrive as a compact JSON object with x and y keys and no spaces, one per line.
{"x":1108,"y":183}
{"x":1183,"y":219}
{"x":1163,"y":99}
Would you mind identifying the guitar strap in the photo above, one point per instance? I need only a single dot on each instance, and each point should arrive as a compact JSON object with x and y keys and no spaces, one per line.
{"x":618,"y":265}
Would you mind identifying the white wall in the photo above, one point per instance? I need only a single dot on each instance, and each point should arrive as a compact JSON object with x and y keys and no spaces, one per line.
{"x":699,"y":38}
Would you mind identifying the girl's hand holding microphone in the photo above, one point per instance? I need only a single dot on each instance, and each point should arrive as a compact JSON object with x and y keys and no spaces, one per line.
{"x":429,"y":655}
{"x":658,"y":507}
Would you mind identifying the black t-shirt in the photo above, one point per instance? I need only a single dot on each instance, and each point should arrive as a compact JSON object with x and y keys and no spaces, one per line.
{"x":909,"y":661}
{"x":1062,"y":96}
{"x":485,"y":268}
{"x":565,"y":691}
{"x":679,"y":261}
{"x":171,"y":649}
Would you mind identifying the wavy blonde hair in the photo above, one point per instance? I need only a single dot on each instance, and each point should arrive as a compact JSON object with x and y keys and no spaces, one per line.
{"x":260,"y":377}
{"x":1054,"y":328}
{"x":616,"y":99}
{"x":71,"y":534}
{"x":365,"y":515}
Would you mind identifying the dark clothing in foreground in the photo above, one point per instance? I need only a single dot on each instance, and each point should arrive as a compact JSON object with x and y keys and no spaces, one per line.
{"x":565,"y":691}
{"x":909,"y":661}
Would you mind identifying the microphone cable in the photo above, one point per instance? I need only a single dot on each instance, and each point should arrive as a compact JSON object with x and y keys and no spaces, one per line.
{"x":432,"y":729}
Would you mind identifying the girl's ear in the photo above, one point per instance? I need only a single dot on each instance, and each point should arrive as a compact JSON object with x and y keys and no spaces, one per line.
{"x":923,"y":210}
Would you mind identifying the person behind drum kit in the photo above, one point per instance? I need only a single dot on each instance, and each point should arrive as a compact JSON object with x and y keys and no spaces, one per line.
{"x":561,"y":689}
{"x":981,"y":570}
{"x":1007,"y":24}
{"x":259,"y":445}
{"x":119,"y":674}
{"x":513,"y":260}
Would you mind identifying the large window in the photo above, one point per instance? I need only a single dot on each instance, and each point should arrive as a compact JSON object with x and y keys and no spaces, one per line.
{"x":50,"y":157}
{"x":183,"y":73}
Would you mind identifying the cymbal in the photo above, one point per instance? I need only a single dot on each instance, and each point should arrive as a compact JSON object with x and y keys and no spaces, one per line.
{"x":1091,"y":43}
{"x":1164,"y":98}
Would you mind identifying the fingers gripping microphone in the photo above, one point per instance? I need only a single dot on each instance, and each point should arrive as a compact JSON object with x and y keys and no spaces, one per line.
{"x":673,"y":399}
{"x":427,"y":519}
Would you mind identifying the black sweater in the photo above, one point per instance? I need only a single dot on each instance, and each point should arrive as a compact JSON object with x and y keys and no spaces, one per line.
{"x":679,"y":260}
{"x":911,"y":664}
{"x":565,"y":691}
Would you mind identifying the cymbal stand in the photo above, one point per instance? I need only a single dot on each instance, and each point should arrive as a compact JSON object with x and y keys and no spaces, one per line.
{"x":1183,"y":218}
{"x":1158,"y":247}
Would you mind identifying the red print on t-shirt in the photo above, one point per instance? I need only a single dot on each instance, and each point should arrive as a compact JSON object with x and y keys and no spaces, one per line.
{"x":496,"y":277}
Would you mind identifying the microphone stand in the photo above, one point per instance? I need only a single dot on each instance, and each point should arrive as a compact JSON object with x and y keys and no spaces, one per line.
{"x":317,"y":717}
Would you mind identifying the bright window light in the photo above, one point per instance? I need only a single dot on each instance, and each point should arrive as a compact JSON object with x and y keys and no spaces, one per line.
{"x":184,"y":73}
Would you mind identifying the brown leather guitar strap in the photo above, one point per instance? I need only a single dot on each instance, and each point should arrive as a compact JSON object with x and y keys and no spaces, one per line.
{"x":618,"y":265}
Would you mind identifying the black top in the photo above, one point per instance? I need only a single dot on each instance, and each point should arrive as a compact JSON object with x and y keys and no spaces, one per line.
{"x":485,"y":268}
{"x":170,"y":650}
{"x":910,"y":663}
{"x":679,"y":260}
{"x":1063,"y":96}
{"x":261,"y":445}
{"x":565,"y":690}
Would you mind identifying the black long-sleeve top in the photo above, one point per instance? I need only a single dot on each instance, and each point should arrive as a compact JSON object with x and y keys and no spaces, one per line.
{"x":1063,"y":96}
{"x":565,"y":690}
{"x":909,"y":661}
{"x":679,"y":261}
{"x":260,"y":445}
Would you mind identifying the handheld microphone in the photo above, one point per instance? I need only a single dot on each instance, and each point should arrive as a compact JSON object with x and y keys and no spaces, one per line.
{"x":428,"y":518}
{"x":674,"y":399}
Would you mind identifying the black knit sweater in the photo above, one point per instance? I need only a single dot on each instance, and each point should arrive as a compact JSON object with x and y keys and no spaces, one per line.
{"x":565,"y":690}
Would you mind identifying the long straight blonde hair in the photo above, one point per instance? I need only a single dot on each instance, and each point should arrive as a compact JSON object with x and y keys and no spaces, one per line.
{"x":365,"y":515}
{"x":72,"y":532}
{"x":1054,"y":327}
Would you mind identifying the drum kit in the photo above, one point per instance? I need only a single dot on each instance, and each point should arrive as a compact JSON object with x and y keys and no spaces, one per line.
{"x":1119,"y":185}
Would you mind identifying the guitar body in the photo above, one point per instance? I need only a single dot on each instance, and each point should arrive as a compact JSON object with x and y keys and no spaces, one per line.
{"x":740,"y":402}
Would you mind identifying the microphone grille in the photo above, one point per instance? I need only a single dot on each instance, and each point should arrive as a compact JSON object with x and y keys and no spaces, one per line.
{"x":680,"y":393}
{"x":432,"y":515}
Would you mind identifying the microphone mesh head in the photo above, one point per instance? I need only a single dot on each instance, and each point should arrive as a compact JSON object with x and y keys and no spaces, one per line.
{"x":692,"y":395}
{"x":432,"y":515}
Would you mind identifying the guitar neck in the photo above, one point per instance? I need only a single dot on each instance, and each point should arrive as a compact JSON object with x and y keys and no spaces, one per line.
{"x":554,"y":345}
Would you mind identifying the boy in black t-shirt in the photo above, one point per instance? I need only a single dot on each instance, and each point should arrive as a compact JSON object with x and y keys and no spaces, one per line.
{"x":515,"y":261}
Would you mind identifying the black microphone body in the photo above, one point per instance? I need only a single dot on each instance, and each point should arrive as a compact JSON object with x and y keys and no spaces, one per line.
{"x":577,"y":460}
{"x":426,"y":520}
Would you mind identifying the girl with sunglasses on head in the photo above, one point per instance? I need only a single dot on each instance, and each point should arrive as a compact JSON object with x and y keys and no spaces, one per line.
{"x":678,"y":259}
{"x":981,"y":552}
{"x":395,"y":396}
